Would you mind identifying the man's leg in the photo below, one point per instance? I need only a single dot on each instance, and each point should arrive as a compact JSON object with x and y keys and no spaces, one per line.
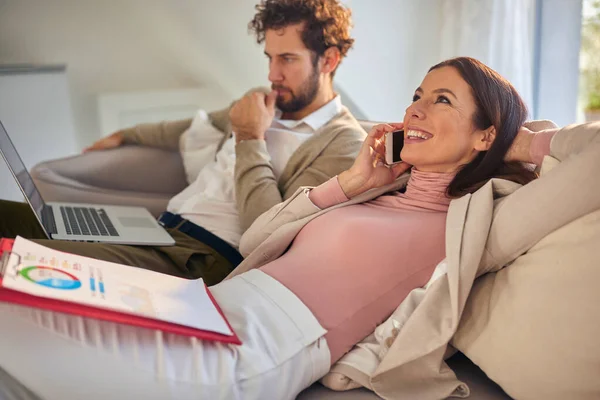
{"x":189,"y":258}
{"x":147,"y":257}
{"x":18,"y":219}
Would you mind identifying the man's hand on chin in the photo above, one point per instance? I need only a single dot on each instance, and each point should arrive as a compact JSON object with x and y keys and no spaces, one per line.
{"x":252,"y":115}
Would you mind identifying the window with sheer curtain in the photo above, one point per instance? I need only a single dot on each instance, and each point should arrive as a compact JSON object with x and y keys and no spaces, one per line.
{"x":533,"y":43}
{"x":497,"y":32}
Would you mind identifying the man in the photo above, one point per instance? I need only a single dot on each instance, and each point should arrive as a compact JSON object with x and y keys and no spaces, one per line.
{"x":298,"y":134}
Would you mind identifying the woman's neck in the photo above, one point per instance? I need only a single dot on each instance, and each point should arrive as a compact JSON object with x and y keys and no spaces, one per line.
{"x":428,"y":189}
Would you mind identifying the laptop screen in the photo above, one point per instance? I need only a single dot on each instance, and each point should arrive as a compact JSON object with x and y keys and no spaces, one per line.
{"x":19,"y":171}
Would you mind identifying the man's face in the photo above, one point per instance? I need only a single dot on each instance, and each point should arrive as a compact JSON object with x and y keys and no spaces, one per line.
{"x":293,"y":68}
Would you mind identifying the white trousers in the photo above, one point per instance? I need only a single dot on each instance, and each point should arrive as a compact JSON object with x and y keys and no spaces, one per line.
{"x":62,"y":357}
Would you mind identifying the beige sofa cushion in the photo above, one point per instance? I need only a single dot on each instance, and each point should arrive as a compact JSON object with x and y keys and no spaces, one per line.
{"x":534,"y":326}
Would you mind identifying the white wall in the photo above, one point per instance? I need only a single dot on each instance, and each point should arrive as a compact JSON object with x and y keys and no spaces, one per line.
{"x":137,"y":45}
{"x":133,"y":45}
{"x":151,"y":45}
{"x":500,"y":33}
{"x":396,"y":43}
{"x":45,"y":131}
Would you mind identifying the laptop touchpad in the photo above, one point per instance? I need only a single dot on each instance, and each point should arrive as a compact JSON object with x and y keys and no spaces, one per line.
{"x":137,"y":222}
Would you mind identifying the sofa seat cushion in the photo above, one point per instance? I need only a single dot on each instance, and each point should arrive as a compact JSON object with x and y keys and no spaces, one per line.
{"x":482,"y":388}
{"x":127,"y":168}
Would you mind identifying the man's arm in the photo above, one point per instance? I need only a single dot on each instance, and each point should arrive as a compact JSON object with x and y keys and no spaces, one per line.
{"x":164,"y":134}
{"x":298,"y":206}
{"x":167,"y":134}
{"x":337,"y":157}
{"x":220,"y":119}
{"x":257,"y":188}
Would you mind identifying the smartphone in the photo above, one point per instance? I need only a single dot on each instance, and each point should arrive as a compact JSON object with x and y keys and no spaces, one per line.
{"x":394,"y":141}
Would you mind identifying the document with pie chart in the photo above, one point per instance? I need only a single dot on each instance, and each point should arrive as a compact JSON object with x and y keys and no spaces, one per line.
{"x":39,"y":271}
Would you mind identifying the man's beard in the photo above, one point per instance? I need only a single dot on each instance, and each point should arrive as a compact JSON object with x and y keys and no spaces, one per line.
{"x":306,"y":94}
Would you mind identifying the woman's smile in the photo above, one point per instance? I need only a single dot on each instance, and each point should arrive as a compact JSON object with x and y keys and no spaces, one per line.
{"x":416,"y":136}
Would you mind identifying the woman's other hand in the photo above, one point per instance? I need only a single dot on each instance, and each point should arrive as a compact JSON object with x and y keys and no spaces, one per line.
{"x":521,"y":146}
{"x":369,"y":170}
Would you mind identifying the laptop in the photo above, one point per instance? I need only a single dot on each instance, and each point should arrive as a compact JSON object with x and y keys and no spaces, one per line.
{"x":84,"y":222}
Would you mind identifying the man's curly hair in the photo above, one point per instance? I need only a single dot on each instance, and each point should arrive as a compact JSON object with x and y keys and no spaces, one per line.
{"x":327,"y":22}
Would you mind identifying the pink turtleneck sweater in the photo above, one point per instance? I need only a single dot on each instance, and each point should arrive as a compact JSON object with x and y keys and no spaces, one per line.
{"x":366,"y":258}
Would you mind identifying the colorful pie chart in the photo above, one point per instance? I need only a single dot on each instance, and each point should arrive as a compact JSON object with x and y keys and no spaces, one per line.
{"x":50,"y":277}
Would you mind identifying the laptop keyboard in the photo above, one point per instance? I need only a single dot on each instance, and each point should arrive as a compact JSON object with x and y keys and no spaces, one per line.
{"x":87,"y":221}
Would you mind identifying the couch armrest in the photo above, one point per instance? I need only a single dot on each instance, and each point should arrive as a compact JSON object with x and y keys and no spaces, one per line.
{"x":128,"y":175}
{"x":131,"y":168}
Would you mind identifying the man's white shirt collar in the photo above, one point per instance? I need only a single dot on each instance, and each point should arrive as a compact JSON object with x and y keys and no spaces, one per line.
{"x":316,"y":119}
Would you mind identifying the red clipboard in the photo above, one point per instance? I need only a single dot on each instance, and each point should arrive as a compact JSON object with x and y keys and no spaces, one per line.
{"x":16,"y":297}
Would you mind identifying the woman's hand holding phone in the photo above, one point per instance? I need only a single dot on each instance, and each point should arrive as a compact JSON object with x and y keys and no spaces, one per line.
{"x":370,"y":170}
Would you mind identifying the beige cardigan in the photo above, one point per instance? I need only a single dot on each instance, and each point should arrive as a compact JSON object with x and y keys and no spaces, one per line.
{"x":331,"y":150}
{"x":485,"y":231}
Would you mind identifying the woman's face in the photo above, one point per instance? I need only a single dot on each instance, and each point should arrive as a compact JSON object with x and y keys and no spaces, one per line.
{"x":439,"y":134}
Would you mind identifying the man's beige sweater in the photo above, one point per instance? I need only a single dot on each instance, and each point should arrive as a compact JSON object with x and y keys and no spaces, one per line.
{"x":331,"y":150}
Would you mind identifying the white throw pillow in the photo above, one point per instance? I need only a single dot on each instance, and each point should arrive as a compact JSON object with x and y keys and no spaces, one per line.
{"x":198,"y":145}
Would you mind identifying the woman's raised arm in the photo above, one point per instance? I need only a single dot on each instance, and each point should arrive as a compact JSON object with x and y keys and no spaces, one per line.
{"x":563,"y":194}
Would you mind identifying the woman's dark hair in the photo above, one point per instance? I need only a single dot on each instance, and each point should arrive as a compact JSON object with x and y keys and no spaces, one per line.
{"x":327,"y":23}
{"x":497,"y":104}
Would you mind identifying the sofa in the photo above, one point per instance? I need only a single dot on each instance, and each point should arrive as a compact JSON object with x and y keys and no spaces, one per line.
{"x":129,"y":175}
